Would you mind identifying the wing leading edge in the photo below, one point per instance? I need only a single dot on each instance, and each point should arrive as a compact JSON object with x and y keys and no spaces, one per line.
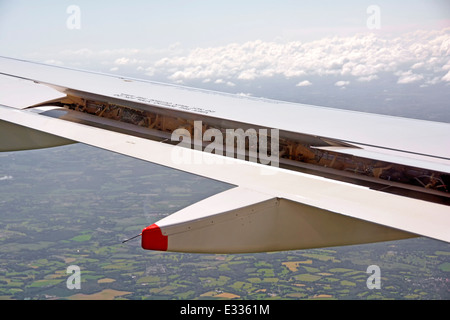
{"x":270,"y":208}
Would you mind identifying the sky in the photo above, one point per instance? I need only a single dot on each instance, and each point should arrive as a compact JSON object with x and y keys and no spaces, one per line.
{"x":288,"y":50}
{"x":390,"y":57}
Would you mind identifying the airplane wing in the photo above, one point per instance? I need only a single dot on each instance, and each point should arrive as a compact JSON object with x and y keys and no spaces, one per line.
{"x":302,"y":176}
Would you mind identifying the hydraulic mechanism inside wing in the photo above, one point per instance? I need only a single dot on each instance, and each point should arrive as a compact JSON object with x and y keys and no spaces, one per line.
{"x":295,"y":151}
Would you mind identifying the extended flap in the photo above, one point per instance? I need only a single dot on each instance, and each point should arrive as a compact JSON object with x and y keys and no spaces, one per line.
{"x":241,"y":220}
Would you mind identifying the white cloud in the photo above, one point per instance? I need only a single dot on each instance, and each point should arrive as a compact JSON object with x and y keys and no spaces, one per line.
{"x":304,"y":83}
{"x":368,"y":78}
{"x":363,"y":57}
{"x":248,"y":74}
{"x":417,"y":65}
{"x":408,"y":77}
{"x":446,"y":77}
{"x":122,"y":61}
{"x":342,"y":83}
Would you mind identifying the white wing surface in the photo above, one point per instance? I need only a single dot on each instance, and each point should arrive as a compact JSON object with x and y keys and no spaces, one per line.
{"x":303,"y":176}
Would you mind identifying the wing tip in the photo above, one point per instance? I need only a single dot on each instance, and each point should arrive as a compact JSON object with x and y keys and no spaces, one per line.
{"x":153,"y":239}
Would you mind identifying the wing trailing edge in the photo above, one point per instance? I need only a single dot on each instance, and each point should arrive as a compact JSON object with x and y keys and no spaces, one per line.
{"x":17,"y":138}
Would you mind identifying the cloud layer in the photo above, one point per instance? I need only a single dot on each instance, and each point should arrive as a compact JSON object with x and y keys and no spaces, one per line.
{"x":421,"y":57}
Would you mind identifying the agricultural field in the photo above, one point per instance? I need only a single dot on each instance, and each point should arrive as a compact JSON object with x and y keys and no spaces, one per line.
{"x":73,"y":206}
